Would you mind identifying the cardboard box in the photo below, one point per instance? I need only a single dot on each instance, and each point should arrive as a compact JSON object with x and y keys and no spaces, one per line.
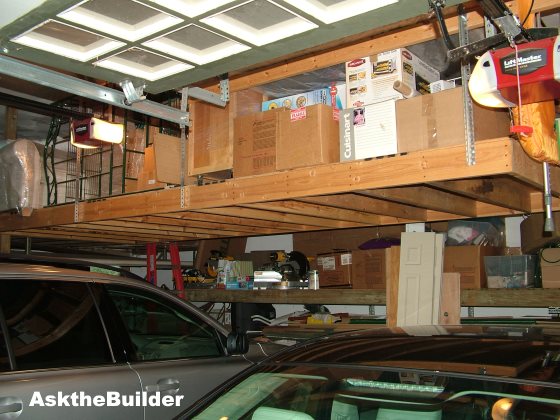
{"x":550,"y":268}
{"x":335,"y":269}
{"x":368,"y":131}
{"x":371,"y":79}
{"x":437,"y":120}
{"x":332,"y":95}
{"x":284,"y":139}
{"x":357,"y":269}
{"x":369,"y":269}
{"x":468,"y":261}
{"x":306,"y":136}
{"x":167,"y":157}
{"x":254,"y":144}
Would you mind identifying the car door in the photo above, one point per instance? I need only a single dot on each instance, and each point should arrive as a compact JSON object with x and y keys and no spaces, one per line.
{"x":175,"y":352}
{"x":55,"y":358}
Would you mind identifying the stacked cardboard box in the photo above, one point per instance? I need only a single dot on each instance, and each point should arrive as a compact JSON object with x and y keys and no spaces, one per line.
{"x":368,"y":126}
{"x":284,"y":139}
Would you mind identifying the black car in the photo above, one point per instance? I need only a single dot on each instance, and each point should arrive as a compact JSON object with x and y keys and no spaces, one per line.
{"x":458,"y":372}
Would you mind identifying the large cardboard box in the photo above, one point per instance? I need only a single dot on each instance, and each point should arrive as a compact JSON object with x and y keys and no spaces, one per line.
{"x":468,"y":261}
{"x":356,"y":269}
{"x":168,"y":158}
{"x":369,"y":269}
{"x":254,"y":144}
{"x":371,"y":79}
{"x":437,"y":120}
{"x":307,"y":136}
{"x":368,"y":131}
{"x":550,"y":268}
{"x":284,"y":139}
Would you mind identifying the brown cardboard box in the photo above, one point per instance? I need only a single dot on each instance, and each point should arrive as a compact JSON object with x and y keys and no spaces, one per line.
{"x":358,"y":269}
{"x":550,"y":268}
{"x":437,"y":120}
{"x":167,"y":157}
{"x":335,"y":269}
{"x":368,"y":269}
{"x":284,"y":139}
{"x":254,"y":143}
{"x":469,"y":262}
{"x":307,"y":136}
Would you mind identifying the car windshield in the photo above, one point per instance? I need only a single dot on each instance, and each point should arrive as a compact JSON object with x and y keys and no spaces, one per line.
{"x":319,"y":391}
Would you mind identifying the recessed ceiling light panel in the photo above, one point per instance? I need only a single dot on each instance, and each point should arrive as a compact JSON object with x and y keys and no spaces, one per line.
{"x":259,"y":22}
{"x":330,"y":11}
{"x":68,"y":41}
{"x":195,"y":44}
{"x":143,"y":64}
{"x":126,"y":19}
{"x":191,"y":8}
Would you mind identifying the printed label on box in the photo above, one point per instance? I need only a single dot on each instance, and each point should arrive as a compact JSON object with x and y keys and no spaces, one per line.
{"x":346,"y":259}
{"x":298,"y":114}
{"x":327,"y":263}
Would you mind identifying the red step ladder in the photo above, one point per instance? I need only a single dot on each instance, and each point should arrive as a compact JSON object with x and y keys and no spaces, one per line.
{"x":176,"y":268}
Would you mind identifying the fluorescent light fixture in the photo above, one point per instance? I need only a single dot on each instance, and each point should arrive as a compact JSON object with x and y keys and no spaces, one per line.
{"x":333,"y":11}
{"x":126,"y":19}
{"x":259,"y":22}
{"x":143,"y":64}
{"x":68,"y":41}
{"x":91,"y":133}
{"x":195,"y":44}
{"x":191,"y":8}
{"x":483,"y":84}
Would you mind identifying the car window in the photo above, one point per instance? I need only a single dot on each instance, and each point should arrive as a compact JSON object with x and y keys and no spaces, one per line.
{"x":330,"y":392}
{"x":161,"y":330}
{"x":4,"y":361}
{"x":53,"y":324}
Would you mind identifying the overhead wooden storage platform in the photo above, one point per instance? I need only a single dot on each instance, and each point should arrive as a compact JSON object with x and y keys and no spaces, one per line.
{"x":425,"y":186}
{"x":430,"y":185}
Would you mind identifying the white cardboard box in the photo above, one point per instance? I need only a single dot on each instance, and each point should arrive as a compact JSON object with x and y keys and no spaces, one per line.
{"x":371,"y":79}
{"x":368,"y":131}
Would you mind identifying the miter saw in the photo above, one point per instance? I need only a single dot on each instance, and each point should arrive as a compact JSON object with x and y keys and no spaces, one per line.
{"x":285,"y":270}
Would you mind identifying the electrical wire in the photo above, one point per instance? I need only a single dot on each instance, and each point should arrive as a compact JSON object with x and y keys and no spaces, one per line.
{"x":528,"y":13}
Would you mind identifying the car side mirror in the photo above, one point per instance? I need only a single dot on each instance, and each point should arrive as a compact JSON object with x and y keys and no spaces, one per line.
{"x":237,"y":343}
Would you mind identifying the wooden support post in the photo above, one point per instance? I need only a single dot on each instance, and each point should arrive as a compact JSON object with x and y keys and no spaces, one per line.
{"x":5,"y":244}
{"x":10,"y":131}
{"x":392,"y":269}
{"x":450,"y":299}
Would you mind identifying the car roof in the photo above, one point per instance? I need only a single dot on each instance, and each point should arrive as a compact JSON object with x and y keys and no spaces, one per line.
{"x":64,"y":262}
{"x":498,"y":350}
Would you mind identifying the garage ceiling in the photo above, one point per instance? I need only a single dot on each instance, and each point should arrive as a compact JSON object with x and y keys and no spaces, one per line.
{"x":169,"y":44}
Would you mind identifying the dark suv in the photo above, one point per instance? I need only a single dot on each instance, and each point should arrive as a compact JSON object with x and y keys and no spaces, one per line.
{"x":69,"y":336}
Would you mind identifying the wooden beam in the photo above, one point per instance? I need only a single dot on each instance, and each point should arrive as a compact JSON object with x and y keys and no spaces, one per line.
{"x":5,"y":244}
{"x":310,"y":209}
{"x":10,"y":123}
{"x":362,"y":202}
{"x":429,"y":198}
{"x":498,"y":191}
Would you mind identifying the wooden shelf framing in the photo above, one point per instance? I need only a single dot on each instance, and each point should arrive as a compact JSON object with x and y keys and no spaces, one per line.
{"x":425,"y":186}
{"x":524,"y":298}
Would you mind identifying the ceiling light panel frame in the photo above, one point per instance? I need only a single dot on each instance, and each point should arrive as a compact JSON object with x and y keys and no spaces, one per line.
{"x":154,"y":20}
{"x":205,"y":65}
